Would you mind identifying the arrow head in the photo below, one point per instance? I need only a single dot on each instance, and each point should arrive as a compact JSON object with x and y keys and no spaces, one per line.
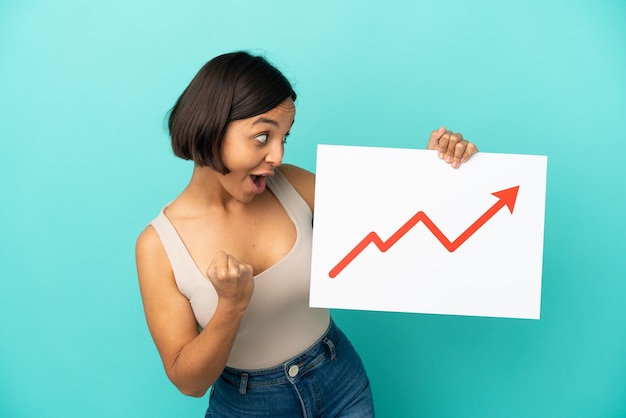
{"x":507,"y":197}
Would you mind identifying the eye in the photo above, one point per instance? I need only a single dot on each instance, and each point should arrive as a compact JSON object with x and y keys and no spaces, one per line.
{"x":262,"y":138}
{"x":285,"y":138}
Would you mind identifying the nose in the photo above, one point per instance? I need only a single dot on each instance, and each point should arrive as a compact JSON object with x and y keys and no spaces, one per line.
{"x":275,"y":153}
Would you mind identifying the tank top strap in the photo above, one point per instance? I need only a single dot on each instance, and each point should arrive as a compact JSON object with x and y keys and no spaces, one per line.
{"x":182,"y":264}
{"x":295,"y":205}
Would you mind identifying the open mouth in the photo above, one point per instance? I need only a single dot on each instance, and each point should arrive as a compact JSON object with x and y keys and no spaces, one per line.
{"x":258,"y":182}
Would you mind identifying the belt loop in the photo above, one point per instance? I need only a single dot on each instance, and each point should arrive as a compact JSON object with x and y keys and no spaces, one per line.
{"x":331,"y":347}
{"x":243,"y":384}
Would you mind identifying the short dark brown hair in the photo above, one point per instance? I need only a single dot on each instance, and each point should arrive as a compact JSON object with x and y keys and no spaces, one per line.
{"x":230,"y":87}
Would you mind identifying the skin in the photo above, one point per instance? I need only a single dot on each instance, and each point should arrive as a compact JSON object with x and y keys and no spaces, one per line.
{"x":224,"y":220}
{"x":451,"y":147}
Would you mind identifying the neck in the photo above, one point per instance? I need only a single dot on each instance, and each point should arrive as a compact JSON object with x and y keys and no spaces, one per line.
{"x":206,"y":190}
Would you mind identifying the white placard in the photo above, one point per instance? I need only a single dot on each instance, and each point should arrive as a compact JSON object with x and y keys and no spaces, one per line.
{"x":399,"y":230}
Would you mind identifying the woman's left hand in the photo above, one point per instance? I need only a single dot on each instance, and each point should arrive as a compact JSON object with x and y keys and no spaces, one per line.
{"x":451,"y":146}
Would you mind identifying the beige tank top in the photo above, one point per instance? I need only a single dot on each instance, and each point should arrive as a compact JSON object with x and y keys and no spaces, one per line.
{"x":278,"y":323}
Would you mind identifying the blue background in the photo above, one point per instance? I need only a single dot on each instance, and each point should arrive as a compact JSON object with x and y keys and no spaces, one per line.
{"x":85,"y":164}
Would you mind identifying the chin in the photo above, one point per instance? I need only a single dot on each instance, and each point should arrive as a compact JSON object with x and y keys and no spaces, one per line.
{"x":247,"y":198}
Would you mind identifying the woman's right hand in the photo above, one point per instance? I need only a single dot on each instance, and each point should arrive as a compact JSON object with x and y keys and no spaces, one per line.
{"x":233,"y":281}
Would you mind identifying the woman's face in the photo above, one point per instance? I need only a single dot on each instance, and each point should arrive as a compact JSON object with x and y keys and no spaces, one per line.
{"x":253,"y":147}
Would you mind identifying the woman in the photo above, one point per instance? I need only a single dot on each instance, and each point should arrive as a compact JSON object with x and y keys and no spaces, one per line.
{"x":224,"y":269}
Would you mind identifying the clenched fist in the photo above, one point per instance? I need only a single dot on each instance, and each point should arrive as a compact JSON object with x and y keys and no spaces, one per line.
{"x":232,"y":280}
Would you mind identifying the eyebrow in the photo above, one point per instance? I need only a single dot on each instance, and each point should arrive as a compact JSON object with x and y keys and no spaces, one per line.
{"x":266,"y":120}
{"x":269,"y":121}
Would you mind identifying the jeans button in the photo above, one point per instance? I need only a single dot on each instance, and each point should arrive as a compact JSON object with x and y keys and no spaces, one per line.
{"x":293,"y":371}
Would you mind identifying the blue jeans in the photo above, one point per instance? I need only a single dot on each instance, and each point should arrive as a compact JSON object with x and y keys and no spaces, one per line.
{"x":327,"y":380}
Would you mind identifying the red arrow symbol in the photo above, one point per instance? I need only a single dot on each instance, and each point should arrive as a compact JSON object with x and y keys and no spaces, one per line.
{"x":505,"y":197}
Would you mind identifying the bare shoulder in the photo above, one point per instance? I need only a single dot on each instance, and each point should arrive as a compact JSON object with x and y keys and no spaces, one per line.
{"x":302,"y":180}
{"x":151,"y":258}
{"x":149,"y":245}
{"x":147,"y":236}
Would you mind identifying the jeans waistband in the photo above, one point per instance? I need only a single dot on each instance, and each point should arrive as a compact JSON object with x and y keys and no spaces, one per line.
{"x":289,"y":371}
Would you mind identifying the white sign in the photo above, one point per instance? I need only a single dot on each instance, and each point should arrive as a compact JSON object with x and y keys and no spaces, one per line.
{"x":400,"y":230}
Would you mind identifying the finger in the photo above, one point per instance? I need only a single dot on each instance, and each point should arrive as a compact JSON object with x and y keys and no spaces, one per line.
{"x":470,"y":150}
{"x":442,"y":146}
{"x":219,"y":265}
{"x":246,"y":281}
{"x":453,"y":140}
{"x":220,"y":258}
{"x":223,"y":267}
{"x":236,"y":270}
{"x":464,"y":150}
{"x":244,"y":271}
{"x":433,"y":140}
{"x":459,"y":151}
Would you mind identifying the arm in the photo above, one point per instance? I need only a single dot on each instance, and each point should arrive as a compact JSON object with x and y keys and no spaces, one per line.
{"x":192,"y":360}
{"x":453,"y":149}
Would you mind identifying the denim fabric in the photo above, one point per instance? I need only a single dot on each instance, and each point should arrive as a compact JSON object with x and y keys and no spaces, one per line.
{"x":327,"y":380}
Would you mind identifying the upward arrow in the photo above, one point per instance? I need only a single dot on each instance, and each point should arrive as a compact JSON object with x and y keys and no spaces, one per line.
{"x":506,"y":197}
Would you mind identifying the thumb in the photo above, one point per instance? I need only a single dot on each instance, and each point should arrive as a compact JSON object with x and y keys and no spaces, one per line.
{"x":433,"y":141}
